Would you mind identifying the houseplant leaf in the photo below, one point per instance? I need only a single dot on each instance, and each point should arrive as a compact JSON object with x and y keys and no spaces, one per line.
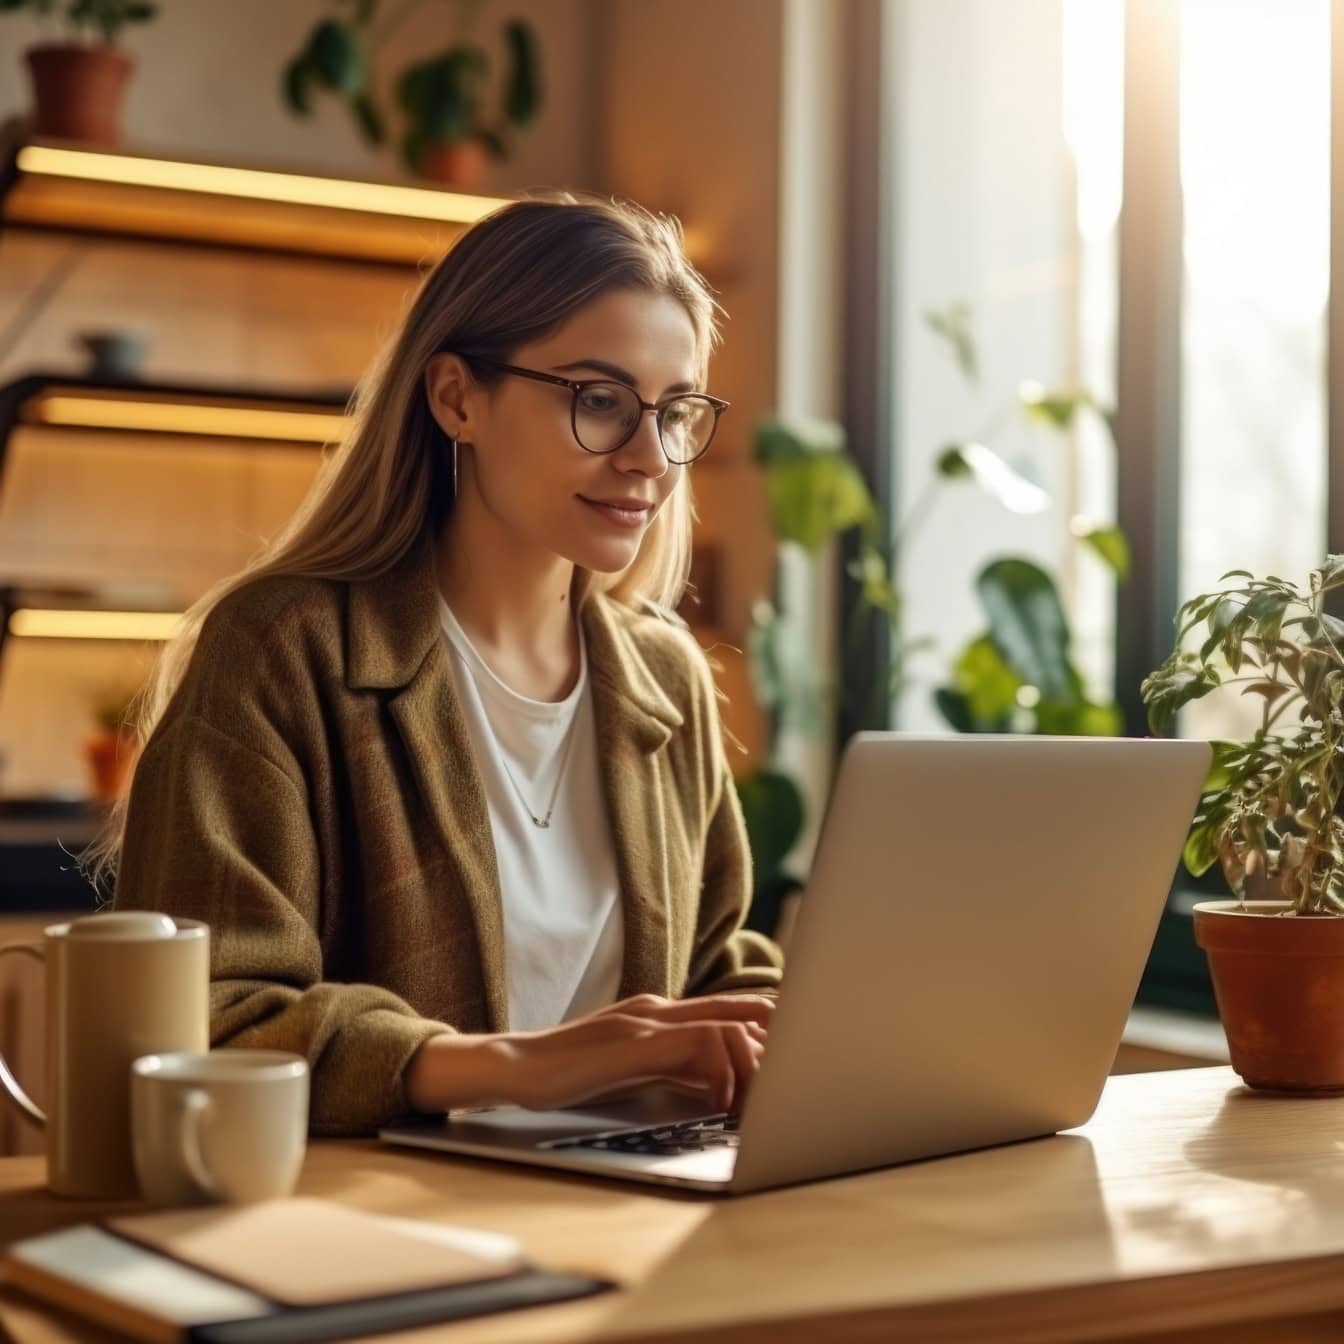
{"x":1110,"y":543}
{"x":772,"y":808}
{"x":1055,"y":410}
{"x":994,"y":476}
{"x":336,"y":57}
{"x":522,"y":88}
{"x":1027,"y":625}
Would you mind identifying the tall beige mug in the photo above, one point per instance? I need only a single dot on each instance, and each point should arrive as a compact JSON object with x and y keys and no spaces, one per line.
{"x":119,"y":985}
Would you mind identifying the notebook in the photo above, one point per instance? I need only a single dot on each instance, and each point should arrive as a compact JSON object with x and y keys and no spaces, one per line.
{"x":282,"y":1272}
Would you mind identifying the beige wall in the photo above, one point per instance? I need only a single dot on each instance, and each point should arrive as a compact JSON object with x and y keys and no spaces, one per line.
{"x":647,"y":99}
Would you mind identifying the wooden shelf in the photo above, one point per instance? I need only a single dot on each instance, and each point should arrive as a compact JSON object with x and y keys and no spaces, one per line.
{"x":75,"y":188}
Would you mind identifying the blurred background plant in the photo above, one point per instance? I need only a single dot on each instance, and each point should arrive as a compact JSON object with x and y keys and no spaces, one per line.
{"x":1017,"y":675}
{"x":103,"y":20}
{"x":453,"y":116}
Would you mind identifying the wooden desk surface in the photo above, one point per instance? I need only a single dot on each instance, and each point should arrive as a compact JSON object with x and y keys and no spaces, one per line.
{"x":1186,"y":1203}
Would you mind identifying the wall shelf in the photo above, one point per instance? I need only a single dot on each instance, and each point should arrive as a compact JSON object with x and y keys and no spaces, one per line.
{"x":75,"y":188}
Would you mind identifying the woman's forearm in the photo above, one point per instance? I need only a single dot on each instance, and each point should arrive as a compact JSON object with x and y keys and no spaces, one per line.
{"x":450,"y":1071}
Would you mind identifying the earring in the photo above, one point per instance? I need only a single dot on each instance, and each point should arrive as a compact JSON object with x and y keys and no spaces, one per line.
{"x":454,"y":444}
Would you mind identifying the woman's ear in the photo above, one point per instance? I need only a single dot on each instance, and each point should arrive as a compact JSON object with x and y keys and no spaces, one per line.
{"x":453,"y":396}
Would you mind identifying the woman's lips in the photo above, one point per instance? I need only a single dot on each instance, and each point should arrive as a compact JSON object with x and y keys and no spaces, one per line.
{"x":622,"y":515}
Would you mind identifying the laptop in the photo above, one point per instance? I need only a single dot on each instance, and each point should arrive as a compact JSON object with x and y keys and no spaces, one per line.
{"x":959,"y":975}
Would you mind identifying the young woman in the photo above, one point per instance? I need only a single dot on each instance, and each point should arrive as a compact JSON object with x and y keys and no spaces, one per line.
{"x":440,"y":769}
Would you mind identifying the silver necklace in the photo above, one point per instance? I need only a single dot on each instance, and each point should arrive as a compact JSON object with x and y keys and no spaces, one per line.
{"x":544,"y":823}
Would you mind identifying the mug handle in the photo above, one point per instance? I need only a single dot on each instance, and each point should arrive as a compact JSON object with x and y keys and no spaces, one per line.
{"x":8,"y":1081}
{"x":192,"y":1106}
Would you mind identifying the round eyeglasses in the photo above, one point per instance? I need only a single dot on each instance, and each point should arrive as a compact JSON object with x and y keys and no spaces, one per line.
{"x":604,"y":414}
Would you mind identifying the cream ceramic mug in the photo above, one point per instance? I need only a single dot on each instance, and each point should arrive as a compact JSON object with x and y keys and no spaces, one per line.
{"x":119,"y":985}
{"x":229,"y":1126}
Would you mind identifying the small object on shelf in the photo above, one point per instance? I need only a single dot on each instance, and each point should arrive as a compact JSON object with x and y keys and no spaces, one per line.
{"x":115,"y":356}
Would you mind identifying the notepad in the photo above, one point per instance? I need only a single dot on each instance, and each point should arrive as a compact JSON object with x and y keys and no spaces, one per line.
{"x":284,"y":1271}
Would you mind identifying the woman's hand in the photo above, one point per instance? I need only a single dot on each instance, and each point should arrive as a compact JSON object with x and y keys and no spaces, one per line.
{"x":707,"y":1047}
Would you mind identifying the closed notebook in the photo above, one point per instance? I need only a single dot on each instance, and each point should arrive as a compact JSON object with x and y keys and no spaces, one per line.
{"x":286,"y":1270}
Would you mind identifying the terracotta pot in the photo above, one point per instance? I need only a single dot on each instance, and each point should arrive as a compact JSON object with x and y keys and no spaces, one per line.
{"x":458,"y":163}
{"x":1279,"y":982}
{"x":77,"y":91}
{"x":111,"y":757}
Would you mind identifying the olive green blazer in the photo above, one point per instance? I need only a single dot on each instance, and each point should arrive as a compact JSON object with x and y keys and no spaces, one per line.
{"x":311,"y":794}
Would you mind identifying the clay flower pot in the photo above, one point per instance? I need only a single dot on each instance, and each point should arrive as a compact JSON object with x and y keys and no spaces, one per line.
{"x":1279,"y":981}
{"x":110,"y":757}
{"x":78,"y":91}
{"x":455,"y":163}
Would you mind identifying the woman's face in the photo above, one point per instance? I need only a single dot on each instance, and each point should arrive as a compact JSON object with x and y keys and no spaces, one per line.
{"x":525,"y":466}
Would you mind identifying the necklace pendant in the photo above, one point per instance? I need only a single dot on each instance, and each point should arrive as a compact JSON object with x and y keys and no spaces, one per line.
{"x":542,"y":825}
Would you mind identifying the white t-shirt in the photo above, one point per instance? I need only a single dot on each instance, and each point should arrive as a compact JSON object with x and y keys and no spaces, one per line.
{"x":563,"y":924}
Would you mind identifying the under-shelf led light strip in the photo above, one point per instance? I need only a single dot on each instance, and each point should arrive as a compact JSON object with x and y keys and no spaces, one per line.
{"x":376,"y":198}
{"x":41,"y":623}
{"x":173,"y":417}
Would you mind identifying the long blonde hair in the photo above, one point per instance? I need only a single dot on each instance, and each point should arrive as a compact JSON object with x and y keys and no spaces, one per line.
{"x":511,"y":278}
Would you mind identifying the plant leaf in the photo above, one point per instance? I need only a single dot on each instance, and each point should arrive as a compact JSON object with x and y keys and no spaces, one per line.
{"x":1111,"y":544}
{"x":773,"y":810}
{"x":368,"y":118}
{"x":987,"y":684}
{"x":522,"y":85}
{"x":1055,"y":410}
{"x":815,"y":499}
{"x":953,"y":324}
{"x":1028,"y":626}
{"x":337,"y":57}
{"x":994,"y":476}
{"x":297,"y":80}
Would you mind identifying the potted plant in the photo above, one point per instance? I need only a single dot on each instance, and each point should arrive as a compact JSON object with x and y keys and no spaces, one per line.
{"x":112,"y":748}
{"x":79,"y":82}
{"x":1270,"y":815}
{"x":452,"y":124}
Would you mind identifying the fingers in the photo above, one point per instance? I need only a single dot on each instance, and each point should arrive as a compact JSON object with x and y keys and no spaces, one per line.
{"x":610,"y":1053}
{"x":706,"y":1008}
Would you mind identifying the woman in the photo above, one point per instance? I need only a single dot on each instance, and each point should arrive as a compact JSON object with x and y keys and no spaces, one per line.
{"x":440,"y":770}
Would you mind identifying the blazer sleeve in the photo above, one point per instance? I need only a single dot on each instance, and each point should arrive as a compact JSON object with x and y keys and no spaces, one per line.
{"x":725,"y":956}
{"x":218,"y":831}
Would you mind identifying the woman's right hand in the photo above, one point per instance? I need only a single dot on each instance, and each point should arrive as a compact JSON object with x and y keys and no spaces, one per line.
{"x":707,"y":1047}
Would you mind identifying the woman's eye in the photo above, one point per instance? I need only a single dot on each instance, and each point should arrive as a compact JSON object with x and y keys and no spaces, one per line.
{"x":598,"y":400}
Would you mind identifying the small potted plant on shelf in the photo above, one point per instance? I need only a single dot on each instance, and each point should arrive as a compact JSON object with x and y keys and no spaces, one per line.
{"x":453,"y":119}
{"x":79,"y":80}
{"x":111,"y":750}
{"x":1270,"y":815}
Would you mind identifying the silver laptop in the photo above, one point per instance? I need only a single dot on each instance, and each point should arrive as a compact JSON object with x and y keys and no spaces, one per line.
{"x":965,"y":957}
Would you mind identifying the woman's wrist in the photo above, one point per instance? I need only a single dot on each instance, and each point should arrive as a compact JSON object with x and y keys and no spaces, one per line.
{"x":451,"y":1070}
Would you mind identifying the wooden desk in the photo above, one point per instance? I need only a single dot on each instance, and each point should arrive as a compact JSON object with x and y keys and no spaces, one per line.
{"x":1186,"y":1204}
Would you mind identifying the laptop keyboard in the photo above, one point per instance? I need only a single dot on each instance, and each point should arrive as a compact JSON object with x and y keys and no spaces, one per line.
{"x":685,"y":1136}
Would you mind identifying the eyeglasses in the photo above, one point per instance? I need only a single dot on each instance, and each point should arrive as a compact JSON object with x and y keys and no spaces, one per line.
{"x":604,"y":415}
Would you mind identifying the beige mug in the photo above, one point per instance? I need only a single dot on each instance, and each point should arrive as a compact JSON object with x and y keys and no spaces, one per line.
{"x":228,"y":1127}
{"x":120,"y":984}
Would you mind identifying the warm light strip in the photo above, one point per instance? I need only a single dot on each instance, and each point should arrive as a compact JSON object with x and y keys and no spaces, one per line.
{"x":38,"y":623}
{"x":257,"y":184}
{"x":171,"y":417}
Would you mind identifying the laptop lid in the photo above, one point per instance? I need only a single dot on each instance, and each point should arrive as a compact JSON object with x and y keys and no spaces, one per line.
{"x":968,"y":948}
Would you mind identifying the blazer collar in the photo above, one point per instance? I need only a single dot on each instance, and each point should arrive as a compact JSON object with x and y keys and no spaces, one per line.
{"x":394,"y":625}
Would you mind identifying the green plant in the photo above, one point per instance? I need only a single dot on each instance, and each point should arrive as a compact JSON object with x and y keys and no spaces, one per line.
{"x":444,"y":99}
{"x":106,"y":18}
{"x":1269,"y":809}
{"x":1017,"y":675}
